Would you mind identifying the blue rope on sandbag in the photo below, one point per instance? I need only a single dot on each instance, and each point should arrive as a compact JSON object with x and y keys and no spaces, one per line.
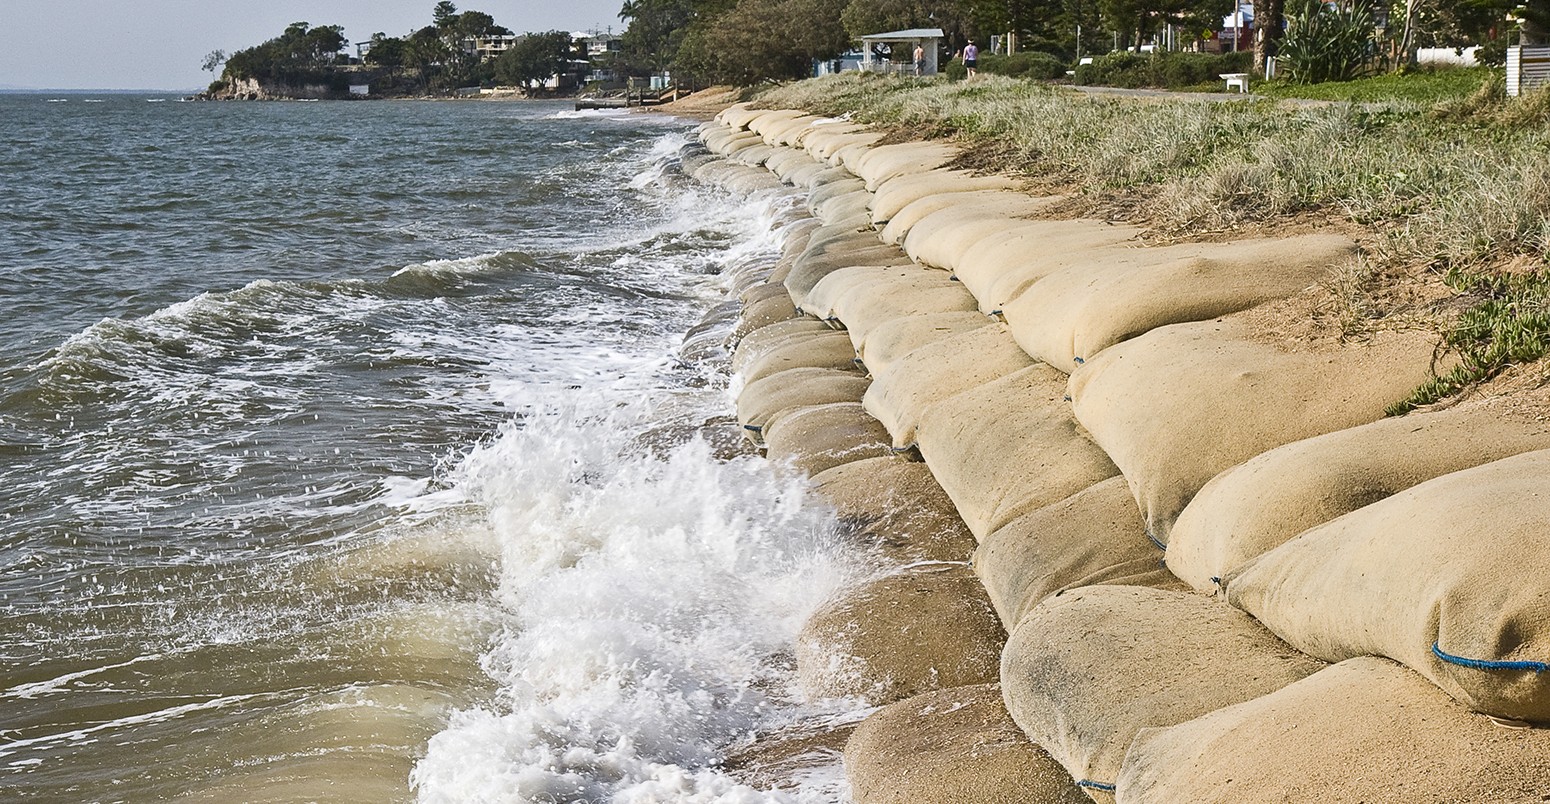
{"x":1079,"y":361}
{"x":1487,"y":664}
{"x":1088,"y":783}
{"x":753,"y":428}
{"x":1153,"y":540}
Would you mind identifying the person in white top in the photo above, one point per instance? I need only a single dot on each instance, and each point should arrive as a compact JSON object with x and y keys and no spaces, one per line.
{"x":971,"y":58}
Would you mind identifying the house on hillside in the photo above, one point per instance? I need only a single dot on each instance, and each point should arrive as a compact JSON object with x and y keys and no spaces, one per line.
{"x":490,"y":46}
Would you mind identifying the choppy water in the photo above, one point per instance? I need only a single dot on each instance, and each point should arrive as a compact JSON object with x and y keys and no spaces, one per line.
{"x":345,"y":455}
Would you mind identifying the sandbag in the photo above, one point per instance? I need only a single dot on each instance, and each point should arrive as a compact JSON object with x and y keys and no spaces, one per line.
{"x":737,"y":115}
{"x":849,"y":155}
{"x":1077,"y":312}
{"x":847,"y":206}
{"x":758,"y":293}
{"x":759,"y":342}
{"x":788,"y":161}
{"x":828,"y":175}
{"x":772,"y":119}
{"x":1364,"y":730}
{"x":813,"y":439}
{"x":951,"y":746}
{"x":824,"y":145}
{"x":894,"y":507}
{"x":806,"y":175}
{"x":891,"y":340}
{"x":898,"y":192}
{"x":978,"y":203}
{"x":810,"y":268}
{"x":1181,"y":403}
{"x":821,"y":300}
{"x":1008,"y":446}
{"x":938,"y":370}
{"x":760,"y":401}
{"x":1257,"y":506}
{"x":895,"y":296}
{"x":940,"y":238}
{"x":913,"y":631}
{"x":887,"y":161}
{"x":830,"y":350}
{"x":1094,"y":537}
{"x":1446,"y":577}
{"x":754,"y":156}
{"x":1085,"y":671}
{"x":763,"y":313}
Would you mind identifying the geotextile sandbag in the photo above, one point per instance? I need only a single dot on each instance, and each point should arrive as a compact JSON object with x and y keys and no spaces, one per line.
{"x":952,"y":745}
{"x":805,"y":175}
{"x":1178,"y":405}
{"x":894,"y":339}
{"x":1446,"y":577}
{"x":1094,"y":537}
{"x":940,"y":238}
{"x":737,"y":115}
{"x":772,"y":120}
{"x":1008,"y":446}
{"x":810,"y":268}
{"x":831,"y":350}
{"x":918,"y":629}
{"x":769,"y":310}
{"x":1080,"y":311}
{"x":1364,"y":730}
{"x":787,"y":161}
{"x":819,"y":437}
{"x":894,"y":507}
{"x":760,"y":341}
{"x":763,"y":399}
{"x":754,"y":156}
{"x":825,"y":145}
{"x":821,"y":299}
{"x":847,"y":156}
{"x":900,"y":396}
{"x":1087,"y":670}
{"x":887,"y":161}
{"x":898,"y":192}
{"x":840,"y":205}
{"x":893,"y":297}
{"x":1259,"y":505}
{"x":977,"y":204}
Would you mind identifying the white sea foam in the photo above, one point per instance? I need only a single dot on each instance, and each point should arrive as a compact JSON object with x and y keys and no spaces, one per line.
{"x":648,"y":606}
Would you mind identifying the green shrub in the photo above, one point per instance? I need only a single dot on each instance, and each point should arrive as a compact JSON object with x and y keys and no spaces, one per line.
{"x":1167,"y":70}
{"x":1028,"y":64}
{"x":1326,"y":44}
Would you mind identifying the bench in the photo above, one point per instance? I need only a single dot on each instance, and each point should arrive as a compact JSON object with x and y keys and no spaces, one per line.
{"x":1238,"y":80}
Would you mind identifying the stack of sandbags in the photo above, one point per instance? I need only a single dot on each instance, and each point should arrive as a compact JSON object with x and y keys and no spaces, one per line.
{"x":953,"y":745}
{"x":1257,"y":506}
{"x":918,"y":629}
{"x":893,"y":507}
{"x":824,"y":144}
{"x":1364,"y":730}
{"x":1447,"y":577}
{"x":1000,"y":266}
{"x":761,"y":341}
{"x":1008,"y":446}
{"x":939,"y":370}
{"x":1085,"y":671}
{"x":1075,"y":313}
{"x":1094,"y":537}
{"x":830,"y":249}
{"x":1178,"y":405}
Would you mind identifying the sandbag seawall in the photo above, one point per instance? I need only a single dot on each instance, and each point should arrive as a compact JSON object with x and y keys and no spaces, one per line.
{"x":1173,"y":514}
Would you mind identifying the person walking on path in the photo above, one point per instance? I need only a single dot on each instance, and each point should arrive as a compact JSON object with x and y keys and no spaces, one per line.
{"x":920,"y":61}
{"x":971,"y":58}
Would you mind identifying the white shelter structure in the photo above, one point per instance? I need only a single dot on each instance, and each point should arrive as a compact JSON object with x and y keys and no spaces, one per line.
{"x":928,"y":39}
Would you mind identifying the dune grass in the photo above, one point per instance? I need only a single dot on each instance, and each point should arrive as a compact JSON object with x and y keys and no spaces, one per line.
{"x":1452,"y":179}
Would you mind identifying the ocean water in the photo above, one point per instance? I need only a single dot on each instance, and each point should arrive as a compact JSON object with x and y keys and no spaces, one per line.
{"x":348,"y":453}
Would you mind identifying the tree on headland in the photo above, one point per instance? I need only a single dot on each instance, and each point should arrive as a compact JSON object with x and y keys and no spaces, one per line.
{"x":301,"y":55}
{"x":213,"y":61}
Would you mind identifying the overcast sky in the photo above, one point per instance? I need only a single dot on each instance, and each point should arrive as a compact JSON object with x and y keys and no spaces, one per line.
{"x":159,"y":44}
